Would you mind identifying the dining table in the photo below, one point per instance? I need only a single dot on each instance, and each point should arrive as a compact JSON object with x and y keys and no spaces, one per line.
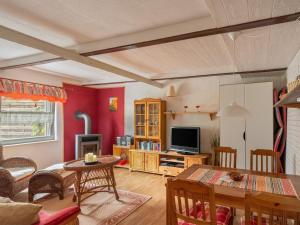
{"x":232,"y":193}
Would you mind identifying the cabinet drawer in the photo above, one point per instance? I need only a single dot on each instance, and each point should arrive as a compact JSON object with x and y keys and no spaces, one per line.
{"x":189,"y":161}
{"x":172,"y":171}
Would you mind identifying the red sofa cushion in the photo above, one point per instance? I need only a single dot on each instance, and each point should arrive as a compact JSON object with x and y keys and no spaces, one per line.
{"x":223,"y":214}
{"x":58,"y":217}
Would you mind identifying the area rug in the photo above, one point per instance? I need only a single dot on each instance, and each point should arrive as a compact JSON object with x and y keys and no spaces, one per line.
{"x":99,"y":209}
{"x":104,"y":209}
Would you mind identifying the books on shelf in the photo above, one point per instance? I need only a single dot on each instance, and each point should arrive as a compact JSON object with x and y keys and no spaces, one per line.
{"x":148,"y":145}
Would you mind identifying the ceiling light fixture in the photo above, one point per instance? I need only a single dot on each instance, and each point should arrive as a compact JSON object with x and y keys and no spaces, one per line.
{"x":233,"y":110}
{"x":171,"y":91}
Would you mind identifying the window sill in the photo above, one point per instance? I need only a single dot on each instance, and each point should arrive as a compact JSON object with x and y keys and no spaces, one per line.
{"x":30,"y":143}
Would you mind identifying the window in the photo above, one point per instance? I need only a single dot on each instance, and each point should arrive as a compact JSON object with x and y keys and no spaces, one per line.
{"x":25,"y":121}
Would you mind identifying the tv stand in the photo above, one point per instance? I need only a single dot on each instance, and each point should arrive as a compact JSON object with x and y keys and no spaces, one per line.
{"x":160,"y":162}
{"x":186,"y":153}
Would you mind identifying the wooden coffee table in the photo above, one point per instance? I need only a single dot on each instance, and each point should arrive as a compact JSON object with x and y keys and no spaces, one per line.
{"x":91,"y":179}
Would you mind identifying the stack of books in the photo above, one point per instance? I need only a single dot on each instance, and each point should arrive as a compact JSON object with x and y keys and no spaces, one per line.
{"x":148,"y":145}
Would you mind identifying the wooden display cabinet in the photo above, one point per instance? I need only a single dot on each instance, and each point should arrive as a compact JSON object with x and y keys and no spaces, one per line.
{"x":150,"y":124}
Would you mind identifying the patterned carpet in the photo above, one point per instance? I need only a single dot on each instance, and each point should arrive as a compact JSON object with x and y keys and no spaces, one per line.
{"x":99,"y":209}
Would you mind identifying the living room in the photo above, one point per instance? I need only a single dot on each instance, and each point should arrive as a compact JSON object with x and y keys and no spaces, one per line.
{"x":135,"y":112}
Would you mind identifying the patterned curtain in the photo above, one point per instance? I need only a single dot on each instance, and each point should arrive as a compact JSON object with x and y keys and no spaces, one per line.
{"x":280,"y":128}
{"x":26,"y":90}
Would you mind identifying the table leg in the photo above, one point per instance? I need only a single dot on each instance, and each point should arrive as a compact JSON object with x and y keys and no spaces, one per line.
{"x":168,"y":220}
{"x":107,"y":177}
{"x":113,"y":182}
{"x":77,"y":185}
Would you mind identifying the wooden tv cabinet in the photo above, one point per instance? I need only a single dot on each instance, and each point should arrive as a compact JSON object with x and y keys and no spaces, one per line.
{"x":166,"y":163}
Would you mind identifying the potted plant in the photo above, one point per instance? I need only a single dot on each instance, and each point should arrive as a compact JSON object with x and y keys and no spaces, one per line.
{"x":215,"y":141}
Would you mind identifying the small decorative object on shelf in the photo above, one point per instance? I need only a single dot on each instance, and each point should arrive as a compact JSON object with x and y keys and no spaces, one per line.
{"x":198,"y":107}
{"x":90,"y":159}
{"x":185,"y":108}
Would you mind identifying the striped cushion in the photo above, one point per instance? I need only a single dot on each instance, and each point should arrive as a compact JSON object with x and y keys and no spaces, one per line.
{"x":223,"y":214}
{"x":254,"y":220}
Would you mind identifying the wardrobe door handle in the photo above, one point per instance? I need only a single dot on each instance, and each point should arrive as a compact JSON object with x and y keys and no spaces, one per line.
{"x":244,"y":135}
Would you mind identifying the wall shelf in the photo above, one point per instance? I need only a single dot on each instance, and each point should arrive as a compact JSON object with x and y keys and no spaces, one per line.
{"x":212,"y":115}
{"x":291,"y":99}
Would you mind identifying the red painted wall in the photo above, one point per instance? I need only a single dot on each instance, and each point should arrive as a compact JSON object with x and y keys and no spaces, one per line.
{"x":94,"y":102}
{"x":110,"y":124}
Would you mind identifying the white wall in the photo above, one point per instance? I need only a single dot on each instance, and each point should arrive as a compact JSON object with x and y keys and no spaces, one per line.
{"x":191,"y":92}
{"x":293,"y":125}
{"x":43,"y":153}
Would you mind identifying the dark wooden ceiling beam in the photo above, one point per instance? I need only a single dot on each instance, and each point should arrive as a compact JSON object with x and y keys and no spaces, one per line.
{"x":202,"y":33}
{"x":244,"y":73}
{"x":181,"y":37}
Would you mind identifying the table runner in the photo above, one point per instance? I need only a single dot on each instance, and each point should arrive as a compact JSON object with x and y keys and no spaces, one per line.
{"x":273,"y":185}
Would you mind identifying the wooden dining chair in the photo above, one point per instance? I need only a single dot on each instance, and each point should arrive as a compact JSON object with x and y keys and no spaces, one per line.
{"x":266,"y":208}
{"x":225,"y":157}
{"x":193,"y":202}
{"x":264,"y":161}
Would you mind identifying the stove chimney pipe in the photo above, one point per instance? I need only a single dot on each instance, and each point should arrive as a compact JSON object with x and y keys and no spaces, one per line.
{"x":87,"y":121}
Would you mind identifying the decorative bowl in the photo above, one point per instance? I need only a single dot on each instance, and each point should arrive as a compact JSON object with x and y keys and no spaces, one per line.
{"x":236,"y":176}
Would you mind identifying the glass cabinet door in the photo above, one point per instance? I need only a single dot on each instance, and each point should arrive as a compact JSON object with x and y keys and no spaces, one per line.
{"x":153,"y":119}
{"x":140,"y":119}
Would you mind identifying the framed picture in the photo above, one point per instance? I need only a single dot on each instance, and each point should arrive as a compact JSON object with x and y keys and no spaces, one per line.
{"x":113,"y":104}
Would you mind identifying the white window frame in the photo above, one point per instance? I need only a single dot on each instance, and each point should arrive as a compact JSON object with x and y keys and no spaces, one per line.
{"x":29,"y":140}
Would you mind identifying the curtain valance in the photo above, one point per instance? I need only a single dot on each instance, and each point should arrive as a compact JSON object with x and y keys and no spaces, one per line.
{"x":26,"y":90}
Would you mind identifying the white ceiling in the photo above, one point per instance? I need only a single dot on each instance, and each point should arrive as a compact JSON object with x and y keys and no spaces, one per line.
{"x":70,"y":22}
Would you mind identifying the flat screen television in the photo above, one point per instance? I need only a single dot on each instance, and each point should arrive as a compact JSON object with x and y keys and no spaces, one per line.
{"x":185,"y":139}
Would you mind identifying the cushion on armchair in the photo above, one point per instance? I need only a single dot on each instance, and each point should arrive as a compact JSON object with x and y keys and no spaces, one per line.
{"x":20,"y":172}
{"x":58,"y":217}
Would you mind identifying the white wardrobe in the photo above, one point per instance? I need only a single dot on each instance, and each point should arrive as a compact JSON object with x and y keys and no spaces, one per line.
{"x":254,"y":130}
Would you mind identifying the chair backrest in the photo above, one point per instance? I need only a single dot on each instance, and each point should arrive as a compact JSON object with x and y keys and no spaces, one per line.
{"x":267,"y":208}
{"x":264,"y":161}
{"x":225,"y":157}
{"x":187,"y":198}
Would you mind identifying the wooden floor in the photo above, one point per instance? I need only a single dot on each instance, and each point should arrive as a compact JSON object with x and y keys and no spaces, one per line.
{"x":154,"y":211}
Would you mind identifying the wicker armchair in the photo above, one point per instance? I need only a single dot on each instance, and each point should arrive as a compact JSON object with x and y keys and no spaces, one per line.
{"x":14,"y":174}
